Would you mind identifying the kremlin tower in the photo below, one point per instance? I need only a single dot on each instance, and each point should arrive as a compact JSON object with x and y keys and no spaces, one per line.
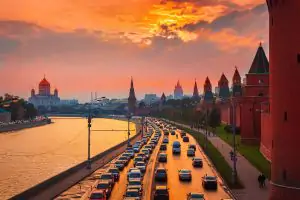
{"x":208,"y":95}
{"x":131,"y":99}
{"x":236,"y":84}
{"x":284,"y":18}
{"x":196,"y":92}
{"x":224,"y":93}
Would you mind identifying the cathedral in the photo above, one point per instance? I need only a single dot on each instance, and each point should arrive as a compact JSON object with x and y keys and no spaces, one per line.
{"x":44,"y":97}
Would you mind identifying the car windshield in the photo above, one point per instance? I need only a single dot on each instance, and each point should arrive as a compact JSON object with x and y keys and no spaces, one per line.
{"x":106,"y":176}
{"x":138,"y":159}
{"x":123,"y":158}
{"x":161,"y":171}
{"x":185,"y":171}
{"x":211,"y":178}
{"x":163,"y":155}
{"x":161,"y":191}
{"x":103,"y":185}
{"x":114,"y":170}
{"x":140,"y":164}
{"x":135,"y":175}
{"x":119,"y":162}
{"x":96,"y":195}
{"x":134,"y":183}
{"x":132,"y":194}
{"x":197,"y":195}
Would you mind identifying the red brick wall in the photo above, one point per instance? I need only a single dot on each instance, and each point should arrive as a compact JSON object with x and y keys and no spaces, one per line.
{"x":266,"y":132}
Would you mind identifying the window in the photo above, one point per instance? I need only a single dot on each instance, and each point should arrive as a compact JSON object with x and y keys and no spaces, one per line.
{"x":261,"y":94}
{"x":272,"y":144}
{"x":298,"y":57}
{"x":285,"y":116}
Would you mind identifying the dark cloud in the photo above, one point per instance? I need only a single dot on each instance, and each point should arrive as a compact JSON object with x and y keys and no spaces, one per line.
{"x":203,"y":2}
{"x":237,"y":20}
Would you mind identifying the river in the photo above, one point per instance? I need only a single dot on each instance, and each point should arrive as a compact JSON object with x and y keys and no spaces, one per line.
{"x":30,"y":156}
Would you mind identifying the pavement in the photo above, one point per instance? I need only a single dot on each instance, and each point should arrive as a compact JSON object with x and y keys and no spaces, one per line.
{"x":247,"y":173}
{"x":179,"y":189}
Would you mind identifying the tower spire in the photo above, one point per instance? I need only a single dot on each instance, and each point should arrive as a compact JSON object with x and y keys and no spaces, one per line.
{"x":196,"y":92}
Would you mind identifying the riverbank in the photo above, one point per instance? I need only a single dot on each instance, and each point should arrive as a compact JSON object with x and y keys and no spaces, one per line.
{"x":56,"y":185}
{"x":17,"y":127}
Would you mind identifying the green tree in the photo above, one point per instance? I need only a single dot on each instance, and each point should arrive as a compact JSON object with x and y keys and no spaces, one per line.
{"x":214,"y":118}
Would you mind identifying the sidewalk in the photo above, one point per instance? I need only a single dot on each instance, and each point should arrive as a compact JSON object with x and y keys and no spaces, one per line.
{"x":247,"y":173}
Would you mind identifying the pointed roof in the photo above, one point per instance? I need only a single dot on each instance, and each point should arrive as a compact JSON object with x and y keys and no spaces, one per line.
{"x":260,"y":64}
{"x":131,"y":83}
{"x":236,"y":74}
{"x":131,"y":91}
{"x":223,"y":78}
{"x":207,"y":81}
{"x":196,"y":92}
{"x":178,"y":84}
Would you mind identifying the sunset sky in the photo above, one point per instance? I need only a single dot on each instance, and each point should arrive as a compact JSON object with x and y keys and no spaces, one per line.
{"x":97,"y":45}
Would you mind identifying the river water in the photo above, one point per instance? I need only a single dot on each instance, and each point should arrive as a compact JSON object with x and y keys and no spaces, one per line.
{"x":30,"y":156}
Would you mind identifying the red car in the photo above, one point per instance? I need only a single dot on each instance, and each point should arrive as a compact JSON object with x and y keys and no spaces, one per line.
{"x":98,"y":195}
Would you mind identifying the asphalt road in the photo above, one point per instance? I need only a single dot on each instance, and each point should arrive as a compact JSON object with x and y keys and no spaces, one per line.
{"x":179,"y":189}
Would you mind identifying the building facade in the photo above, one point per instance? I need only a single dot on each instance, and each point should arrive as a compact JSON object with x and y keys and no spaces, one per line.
{"x":44,"y":97}
{"x":284,"y":37}
{"x":131,"y":99}
{"x":150,"y":98}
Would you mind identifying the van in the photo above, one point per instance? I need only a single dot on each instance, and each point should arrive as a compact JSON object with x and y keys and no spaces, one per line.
{"x":135,"y":174}
{"x":176,"y":147}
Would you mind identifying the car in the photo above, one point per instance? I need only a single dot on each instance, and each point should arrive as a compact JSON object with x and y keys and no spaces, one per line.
{"x":163,"y":147}
{"x":135,"y":184}
{"x":161,"y":175}
{"x":165,"y":141}
{"x":141,"y":166}
{"x":149,"y":147}
{"x":115,"y":172}
{"x":209,"y":182}
{"x":152,"y":144}
{"x":136,"y":149}
{"x":166,"y":132}
{"x":190,"y":152}
{"x":185,"y":175}
{"x":105,"y":186}
{"x":132,"y":194}
{"x":173,"y":132}
{"x":120,"y":164}
{"x":162,"y":157}
{"x":176,"y":147}
{"x":182,"y":133}
{"x":146,"y":152}
{"x":195,"y":196}
{"x":192,"y":146}
{"x":134,"y":174}
{"x":144,"y":156}
{"x":138,"y":159}
{"x":197,"y":162}
{"x":107,"y":177}
{"x":98,"y":195}
{"x":124,"y":158}
{"x":185,"y":139}
{"x":128,"y":155}
{"x":161,"y":192}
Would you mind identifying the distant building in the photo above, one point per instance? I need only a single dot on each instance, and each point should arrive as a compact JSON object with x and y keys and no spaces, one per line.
{"x":178,"y":91}
{"x":150,"y":98}
{"x":69,"y":102}
{"x":5,"y":116}
{"x":131,"y":99}
{"x":44,"y":97}
{"x":169,"y":97}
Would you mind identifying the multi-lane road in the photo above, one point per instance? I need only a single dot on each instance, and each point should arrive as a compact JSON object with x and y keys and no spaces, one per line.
{"x":179,"y":189}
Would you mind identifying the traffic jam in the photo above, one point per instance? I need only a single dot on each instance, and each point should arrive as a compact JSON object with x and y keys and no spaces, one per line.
{"x":169,"y":181}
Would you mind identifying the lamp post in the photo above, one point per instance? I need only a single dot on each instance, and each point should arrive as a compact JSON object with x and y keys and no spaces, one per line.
{"x":129,"y":115}
{"x":89,"y":131}
{"x":234,"y":158}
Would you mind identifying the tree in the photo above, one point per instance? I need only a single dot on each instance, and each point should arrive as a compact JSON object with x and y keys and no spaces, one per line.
{"x":142,"y":104}
{"x":214,"y":118}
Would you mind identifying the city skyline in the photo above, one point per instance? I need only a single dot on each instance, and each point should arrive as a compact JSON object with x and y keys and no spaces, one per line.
{"x":156,"y":42}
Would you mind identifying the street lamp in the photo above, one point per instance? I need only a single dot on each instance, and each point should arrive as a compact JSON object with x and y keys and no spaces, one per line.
{"x":234,"y":158}
{"x":129,"y":115}
{"x":89,"y":131}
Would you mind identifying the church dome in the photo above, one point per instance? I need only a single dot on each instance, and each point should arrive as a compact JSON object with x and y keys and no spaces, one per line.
{"x":44,"y":82}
